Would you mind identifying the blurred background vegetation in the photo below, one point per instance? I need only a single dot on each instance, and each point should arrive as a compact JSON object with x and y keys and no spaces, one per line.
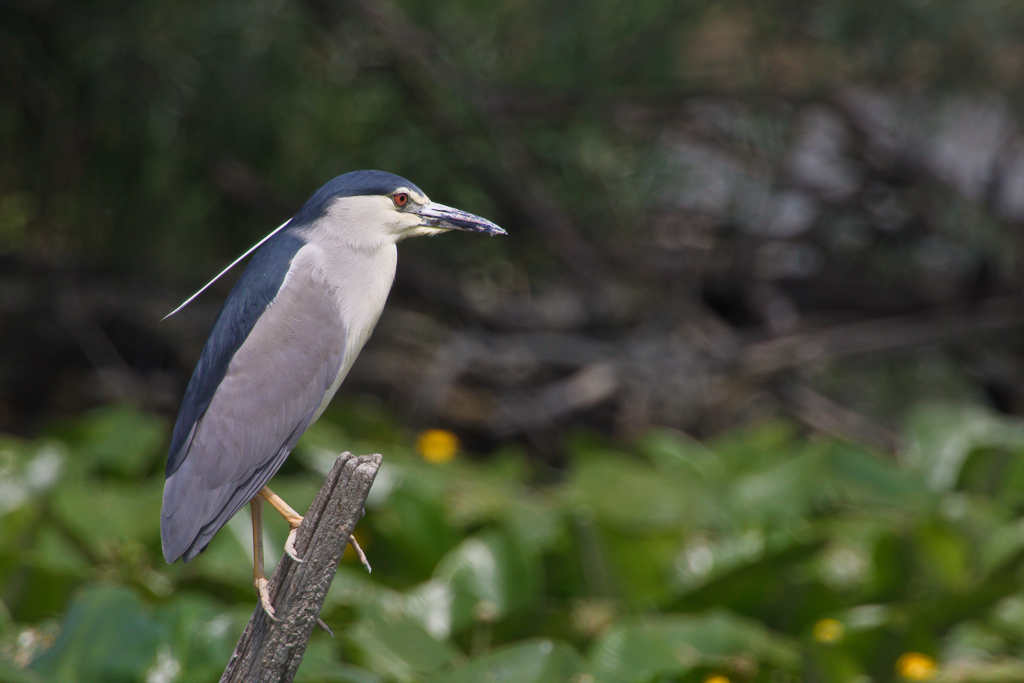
{"x":738,"y":399}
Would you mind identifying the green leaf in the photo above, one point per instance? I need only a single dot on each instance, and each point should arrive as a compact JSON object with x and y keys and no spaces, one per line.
{"x":631,"y":495}
{"x":477,"y":495}
{"x":10,"y":673}
{"x":942,"y":437}
{"x":27,"y":470}
{"x":944,"y":557}
{"x":530,"y":661}
{"x":641,"y":565}
{"x":779,"y":493}
{"x":860,"y":477}
{"x":1004,"y":544}
{"x":107,"y":635}
{"x":119,"y":439}
{"x":110,"y":517}
{"x":393,"y":643}
{"x":352,"y":586}
{"x":321,"y":664}
{"x":677,"y":453}
{"x":413,"y":524}
{"x":489,"y":577}
{"x":643,"y":648}
{"x":754,"y":446}
{"x":201,"y":635}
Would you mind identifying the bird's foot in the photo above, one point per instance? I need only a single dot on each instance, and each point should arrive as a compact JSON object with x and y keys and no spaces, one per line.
{"x":261,"y":586}
{"x":289,"y":544}
{"x":359,"y":553}
{"x":293,"y":518}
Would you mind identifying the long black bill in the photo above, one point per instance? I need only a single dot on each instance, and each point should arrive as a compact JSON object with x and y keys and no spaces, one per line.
{"x":446,"y":218}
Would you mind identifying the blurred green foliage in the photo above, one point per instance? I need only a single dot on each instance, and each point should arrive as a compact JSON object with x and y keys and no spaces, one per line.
{"x":762,"y":555}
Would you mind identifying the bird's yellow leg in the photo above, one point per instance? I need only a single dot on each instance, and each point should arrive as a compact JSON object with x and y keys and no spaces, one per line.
{"x":259,"y":576}
{"x":293,"y":518}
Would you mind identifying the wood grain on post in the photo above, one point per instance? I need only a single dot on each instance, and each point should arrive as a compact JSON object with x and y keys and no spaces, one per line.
{"x":272,"y":650}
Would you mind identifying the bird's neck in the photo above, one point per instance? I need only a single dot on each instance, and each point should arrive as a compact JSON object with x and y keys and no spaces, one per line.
{"x":344,"y":238}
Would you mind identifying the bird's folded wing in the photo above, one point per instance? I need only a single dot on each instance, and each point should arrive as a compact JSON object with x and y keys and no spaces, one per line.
{"x":270,"y":392}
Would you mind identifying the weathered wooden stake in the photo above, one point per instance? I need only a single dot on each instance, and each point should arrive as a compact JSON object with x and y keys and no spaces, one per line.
{"x":272,"y":650}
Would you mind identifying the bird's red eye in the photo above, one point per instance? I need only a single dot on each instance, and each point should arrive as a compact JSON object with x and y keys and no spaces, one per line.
{"x":401,"y":199}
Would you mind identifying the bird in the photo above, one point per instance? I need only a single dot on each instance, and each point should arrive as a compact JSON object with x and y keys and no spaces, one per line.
{"x":284,"y":340}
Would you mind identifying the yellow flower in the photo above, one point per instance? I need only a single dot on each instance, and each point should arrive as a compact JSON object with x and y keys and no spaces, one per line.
{"x":717,"y":678}
{"x":915,"y":666}
{"x":828,"y":631}
{"x":437,"y":445}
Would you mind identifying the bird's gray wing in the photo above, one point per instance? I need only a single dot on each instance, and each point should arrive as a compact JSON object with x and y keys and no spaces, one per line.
{"x":255,"y":290}
{"x":269,"y":394}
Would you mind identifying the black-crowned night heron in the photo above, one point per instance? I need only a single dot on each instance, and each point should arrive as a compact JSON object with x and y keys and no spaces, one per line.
{"x":280,"y":347}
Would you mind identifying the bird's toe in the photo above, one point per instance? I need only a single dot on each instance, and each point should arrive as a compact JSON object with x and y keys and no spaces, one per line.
{"x":261,"y":587}
{"x":359,"y":553}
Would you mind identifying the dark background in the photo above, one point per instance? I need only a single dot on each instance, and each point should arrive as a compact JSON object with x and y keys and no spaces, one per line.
{"x":747,"y":364}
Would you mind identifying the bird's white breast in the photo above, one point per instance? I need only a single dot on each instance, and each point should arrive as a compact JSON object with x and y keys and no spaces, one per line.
{"x":360,"y":281}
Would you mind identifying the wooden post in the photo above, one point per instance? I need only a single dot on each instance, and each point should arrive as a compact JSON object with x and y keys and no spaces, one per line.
{"x":272,"y":650}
